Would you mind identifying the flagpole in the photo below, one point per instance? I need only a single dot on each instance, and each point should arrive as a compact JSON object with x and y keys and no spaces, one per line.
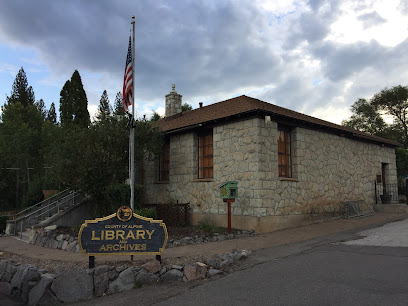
{"x":132,"y":130}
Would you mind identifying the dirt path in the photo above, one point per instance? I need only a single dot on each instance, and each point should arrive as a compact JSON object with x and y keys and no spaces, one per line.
{"x":54,"y":260}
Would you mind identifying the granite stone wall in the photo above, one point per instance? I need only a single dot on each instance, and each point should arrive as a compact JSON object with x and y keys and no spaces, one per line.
{"x":327,"y":170}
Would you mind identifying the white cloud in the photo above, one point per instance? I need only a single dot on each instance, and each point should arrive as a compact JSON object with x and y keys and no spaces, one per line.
{"x":316,"y":57}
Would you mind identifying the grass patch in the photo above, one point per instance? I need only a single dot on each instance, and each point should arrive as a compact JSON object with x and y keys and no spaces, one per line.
{"x":207,"y":225}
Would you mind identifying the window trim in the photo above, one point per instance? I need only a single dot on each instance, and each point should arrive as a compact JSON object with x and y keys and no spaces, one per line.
{"x":206,"y":148}
{"x":164,"y":162}
{"x":287,"y":153}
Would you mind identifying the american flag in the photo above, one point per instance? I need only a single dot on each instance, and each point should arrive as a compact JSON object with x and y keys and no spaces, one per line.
{"x":127,"y":81}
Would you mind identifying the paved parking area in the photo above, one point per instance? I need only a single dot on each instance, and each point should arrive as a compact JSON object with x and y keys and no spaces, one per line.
{"x":394,"y":234}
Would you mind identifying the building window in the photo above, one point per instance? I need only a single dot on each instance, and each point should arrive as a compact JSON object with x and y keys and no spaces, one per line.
{"x":205,"y":155}
{"x":284,"y":158}
{"x":164,"y":163}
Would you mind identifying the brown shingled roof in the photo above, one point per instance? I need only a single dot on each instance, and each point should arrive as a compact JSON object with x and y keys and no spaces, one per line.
{"x":246,"y":105}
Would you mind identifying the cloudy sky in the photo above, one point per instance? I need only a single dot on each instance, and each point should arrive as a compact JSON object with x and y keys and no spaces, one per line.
{"x":317,"y":57}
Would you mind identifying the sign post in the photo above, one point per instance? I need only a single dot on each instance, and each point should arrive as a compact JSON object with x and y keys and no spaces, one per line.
{"x":229,"y":192}
{"x":122,"y":233}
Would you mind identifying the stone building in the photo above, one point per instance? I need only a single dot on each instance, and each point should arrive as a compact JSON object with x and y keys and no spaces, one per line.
{"x":291,"y":168}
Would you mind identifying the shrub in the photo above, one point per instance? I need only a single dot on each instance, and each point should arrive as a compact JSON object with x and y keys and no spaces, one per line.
{"x":147,"y":212}
{"x":207,"y":225}
{"x":3,"y":223}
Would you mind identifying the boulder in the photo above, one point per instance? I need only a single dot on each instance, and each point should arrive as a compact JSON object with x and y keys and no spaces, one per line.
{"x":21,"y":275}
{"x":121,"y":268}
{"x":221,"y":237}
{"x":9,"y":272}
{"x":71,"y":245}
{"x":38,"y":291}
{"x":213,"y":272}
{"x":64,"y":245}
{"x":101,"y":269}
{"x":195,"y":271}
{"x":113,"y":274}
{"x":174,"y":275}
{"x":59,"y":237}
{"x":101,"y":283}
{"x":30,"y":279}
{"x":5,"y":288}
{"x":186,"y":241}
{"x":50,"y":228}
{"x":73,"y":285}
{"x":60,"y":244}
{"x":3,"y":267}
{"x":147,"y":278}
{"x":124,"y":282}
{"x":54,"y":244}
{"x":48,"y":298}
{"x":152,"y":266}
{"x":219,"y":261}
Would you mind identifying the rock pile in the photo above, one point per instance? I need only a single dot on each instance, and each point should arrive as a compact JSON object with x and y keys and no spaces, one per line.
{"x":52,"y":239}
{"x":36,"y":286}
{"x":209,"y":238}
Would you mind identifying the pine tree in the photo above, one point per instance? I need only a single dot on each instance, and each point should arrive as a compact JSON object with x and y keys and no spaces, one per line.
{"x":104,"y":109}
{"x":66,"y":112}
{"x":118,"y":107}
{"x":41,"y":108}
{"x":21,"y":92}
{"x":79,"y":101}
{"x":52,"y":115}
{"x":73,"y":103}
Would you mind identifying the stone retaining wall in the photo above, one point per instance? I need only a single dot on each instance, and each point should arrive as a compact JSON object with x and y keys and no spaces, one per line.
{"x":54,"y":240}
{"x":34,"y":286}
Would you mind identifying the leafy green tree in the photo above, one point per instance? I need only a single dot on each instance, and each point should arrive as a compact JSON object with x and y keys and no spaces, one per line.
{"x":394,"y":101}
{"x":366,"y":118}
{"x":105,"y":158}
{"x":21,"y":92}
{"x":104,"y":108}
{"x":52,"y":115}
{"x":402,"y":161}
{"x":118,"y":107}
{"x":20,"y":148}
{"x":155,"y":117}
{"x":186,"y":107}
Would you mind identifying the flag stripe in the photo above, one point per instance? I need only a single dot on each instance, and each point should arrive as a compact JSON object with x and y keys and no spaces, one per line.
{"x":128,"y":80}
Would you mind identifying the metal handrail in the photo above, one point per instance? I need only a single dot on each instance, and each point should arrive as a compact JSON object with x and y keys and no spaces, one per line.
{"x":71,"y":198}
{"x":49,"y":207}
{"x":49,"y":204}
{"x":39,"y":203}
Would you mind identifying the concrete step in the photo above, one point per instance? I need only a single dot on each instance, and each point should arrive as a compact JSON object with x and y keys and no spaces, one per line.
{"x":25,"y":235}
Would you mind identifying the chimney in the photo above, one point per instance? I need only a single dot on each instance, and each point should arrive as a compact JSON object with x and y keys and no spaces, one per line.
{"x":173,"y":102}
{"x":201,"y":104}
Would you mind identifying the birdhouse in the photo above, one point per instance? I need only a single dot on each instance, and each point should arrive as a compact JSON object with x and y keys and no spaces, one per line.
{"x":229,"y":190}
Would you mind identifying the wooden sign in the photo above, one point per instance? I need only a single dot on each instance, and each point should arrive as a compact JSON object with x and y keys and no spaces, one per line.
{"x":123,"y":233}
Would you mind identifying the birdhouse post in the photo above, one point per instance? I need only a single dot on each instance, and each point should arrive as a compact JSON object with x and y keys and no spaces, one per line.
{"x":229,"y":192}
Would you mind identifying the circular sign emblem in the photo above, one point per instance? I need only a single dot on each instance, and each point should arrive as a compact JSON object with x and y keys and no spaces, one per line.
{"x":124,"y":213}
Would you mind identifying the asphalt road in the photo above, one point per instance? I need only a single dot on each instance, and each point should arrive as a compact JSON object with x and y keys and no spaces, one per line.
{"x":371,"y":270}
{"x":326,"y":275}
